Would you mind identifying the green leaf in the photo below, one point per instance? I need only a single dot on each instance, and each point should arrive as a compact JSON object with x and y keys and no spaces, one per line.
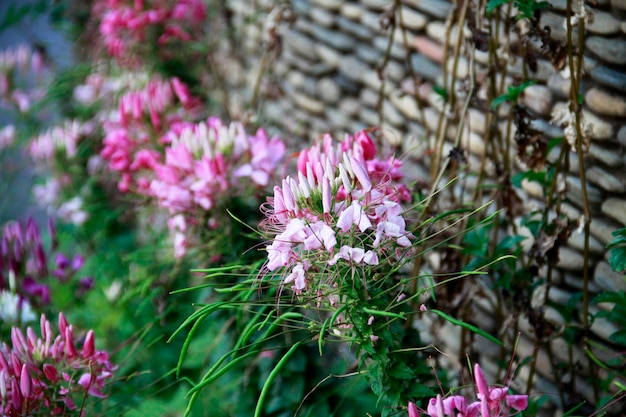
{"x":468,"y":326}
{"x":509,"y":243}
{"x":611,"y":297}
{"x":498,"y":100}
{"x":619,"y":337}
{"x":512,"y":94}
{"x":420,"y":391}
{"x":619,"y":236}
{"x":494,"y":4}
{"x":441,"y":92}
{"x":552,"y":143}
{"x":401,"y":370}
{"x":617,"y":259}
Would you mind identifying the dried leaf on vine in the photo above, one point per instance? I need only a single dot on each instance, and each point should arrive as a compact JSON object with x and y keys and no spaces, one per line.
{"x":458,"y":154}
{"x":546,"y":247}
{"x":480,"y":37}
{"x":532,"y":145}
{"x":553,"y":49}
{"x":508,"y":197}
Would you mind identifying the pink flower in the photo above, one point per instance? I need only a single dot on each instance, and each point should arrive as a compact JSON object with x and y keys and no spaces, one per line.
{"x":333,"y":193}
{"x":492,"y":401}
{"x":32,"y":391}
{"x":354,"y":214}
{"x":319,"y":235}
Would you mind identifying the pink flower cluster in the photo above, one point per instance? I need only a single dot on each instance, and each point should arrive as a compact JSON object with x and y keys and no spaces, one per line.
{"x":134,"y":132}
{"x":492,"y":402}
{"x":25,"y":269}
{"x":50,"y":375}
{"x":204,"y":166}
{"x":343,"y":196}
{"x":19,"y":61}
{"x":59,"y":140}
{"x":129,"y":25}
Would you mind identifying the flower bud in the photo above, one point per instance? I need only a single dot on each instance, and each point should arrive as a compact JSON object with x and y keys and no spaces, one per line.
{"x":25,"y":382}
{"x":89,"y":346}
{"x":50,"y":372}
{"x":413,"y":410}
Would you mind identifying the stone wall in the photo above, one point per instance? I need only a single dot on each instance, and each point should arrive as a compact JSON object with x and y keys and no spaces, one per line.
{"x":343,"y":67}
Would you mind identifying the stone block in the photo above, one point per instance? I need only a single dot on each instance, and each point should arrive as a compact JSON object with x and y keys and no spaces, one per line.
{"x":605,"y":103}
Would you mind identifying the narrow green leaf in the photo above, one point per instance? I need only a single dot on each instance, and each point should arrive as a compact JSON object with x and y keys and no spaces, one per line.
{"x":467,"y":326}
{"x":273,"y":374}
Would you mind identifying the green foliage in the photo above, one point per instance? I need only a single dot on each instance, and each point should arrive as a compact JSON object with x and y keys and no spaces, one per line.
{"x":18,"y":14}
{"x":527,"y":8}
{"x":617,"y":250}
{"x":617,"y":313}
{"x":512,"y":94}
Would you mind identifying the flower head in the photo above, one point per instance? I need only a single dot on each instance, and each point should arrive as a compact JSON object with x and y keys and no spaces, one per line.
{"x":41,"y":375}
{"x":492,"y":402}
{"x":333,"y":212}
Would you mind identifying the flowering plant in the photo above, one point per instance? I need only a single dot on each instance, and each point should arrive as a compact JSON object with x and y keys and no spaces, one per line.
{"x":492,"y":402}
{"x":344,"y":197}
{"x":26,"y":273}
{"x":133,"y":31}
{"x":48,"y":375}
{"x":205,"y":168}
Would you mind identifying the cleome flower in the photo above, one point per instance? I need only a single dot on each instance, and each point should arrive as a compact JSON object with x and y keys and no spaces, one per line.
{"x":140,"y":126}
{"x":342,"y":208}
{"x":492,"y":402}
{"x":26,"y":271}
{"x":206,"y":164}
{"x":47,"y":375}
{"x":126,"y":27}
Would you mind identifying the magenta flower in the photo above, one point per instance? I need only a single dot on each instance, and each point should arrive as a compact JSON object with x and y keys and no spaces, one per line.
{"x":333,"y":203}
{"x":46,"y":375}
{"x":127,"y":26}
{"x":206,"y":165}
{"x":492,"y":402}
{"x":26,"y":267}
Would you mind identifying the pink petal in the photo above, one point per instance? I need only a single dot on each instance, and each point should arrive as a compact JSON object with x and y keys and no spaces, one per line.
{"x":518,"y":402}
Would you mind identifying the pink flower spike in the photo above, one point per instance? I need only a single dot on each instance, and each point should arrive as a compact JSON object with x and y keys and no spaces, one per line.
{"x":288,"y":197}
{"x":326,"y":195}
{"x":310,"y":176}
{"x":89,"y":347}
{"x":361,"y":174}
{"x":50,"y":372}
{"x":413,"y":410}
{"x":345,"y":179}
{"x":18,"y":340}
{"x":70,"y":348}
{"x":62,"y":323}
{"x":518,"y":402}
{"x":181,"y":91}
{"x":25,"y":382}
{"x":3,"y":384}
{"x":16,"y":398}
{"x":303,"y":161}
{"x":366,"y":144}
{"x":483,"y":390}
{"x":303,"y":185}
